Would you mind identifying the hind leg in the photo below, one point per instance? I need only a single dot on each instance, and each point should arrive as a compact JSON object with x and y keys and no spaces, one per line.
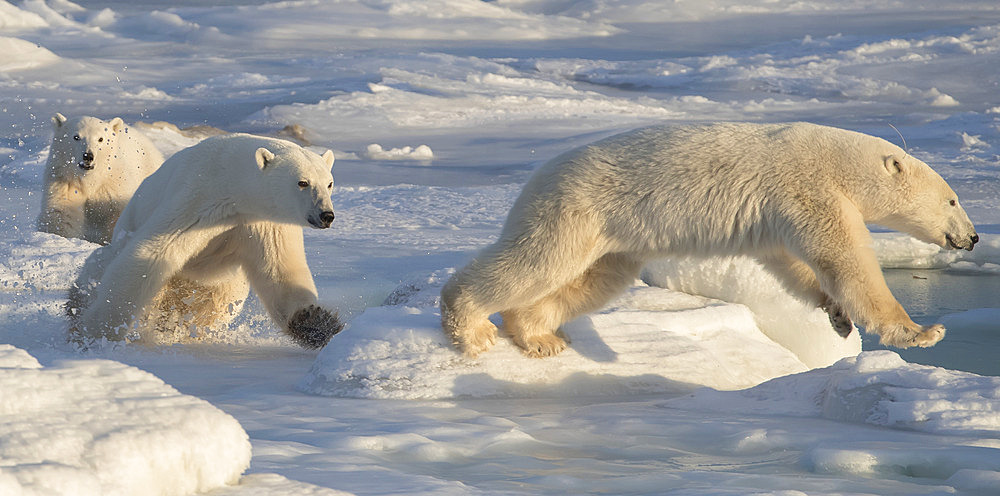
{"x":534,"y":328}
{"x":530,"y":261}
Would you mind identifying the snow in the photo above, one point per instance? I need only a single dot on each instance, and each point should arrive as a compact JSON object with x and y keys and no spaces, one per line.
{"x":650,"y":340}
{"x":421,"y":152}
{"x":20,"y":55}
{"x":705,"y":377}
{"x":101,"y":427}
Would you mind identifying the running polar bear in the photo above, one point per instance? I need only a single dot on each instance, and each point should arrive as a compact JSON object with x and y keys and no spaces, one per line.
{"x":94,"y":167}
{"x":217,"y":215}
{"x":796,"y":196}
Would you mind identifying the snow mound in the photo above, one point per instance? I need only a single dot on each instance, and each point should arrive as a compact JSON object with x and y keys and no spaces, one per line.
{"x":878,"y":388}
{"x":650,"y":340}
{"x":101,"y":427}
{"x":20,"y":55}
{"x":802,"y":328}
{"x":16,"y":358}
{"x":13,"y":18}
{"x":36,"y":261}
{"x":376,"y":152}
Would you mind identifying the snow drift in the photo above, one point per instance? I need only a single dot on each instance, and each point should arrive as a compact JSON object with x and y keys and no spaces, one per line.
{"x":98,"y":427}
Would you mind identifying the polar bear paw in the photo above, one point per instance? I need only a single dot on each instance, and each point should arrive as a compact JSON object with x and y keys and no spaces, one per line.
{"x":541,"y":346}
{"x":928,"y":336}
{"x":312,"y":326}
{"x":839,"y":319}
{"x":476,"y":339}
{"x":922,"y":337}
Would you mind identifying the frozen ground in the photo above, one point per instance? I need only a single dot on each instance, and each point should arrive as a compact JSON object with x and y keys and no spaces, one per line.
{"x":438,"y":111}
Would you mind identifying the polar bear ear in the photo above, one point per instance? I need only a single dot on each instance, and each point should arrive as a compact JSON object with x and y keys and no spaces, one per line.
{"x":117,"y":124}
{"x":894,"y":165}
{"x":263,"y":156}
{"x":328,"y":158}
{"x":58,"y":120}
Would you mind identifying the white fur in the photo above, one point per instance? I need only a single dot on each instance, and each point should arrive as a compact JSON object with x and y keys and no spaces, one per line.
{"x":83,"y":198}
{"x":218,"y":214}
{"x":796,"y":196}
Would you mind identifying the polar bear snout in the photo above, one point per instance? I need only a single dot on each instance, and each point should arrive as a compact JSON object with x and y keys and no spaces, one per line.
{"x":323,"y":220}
{"x":960,"y":243}
{"x":88,"y":160}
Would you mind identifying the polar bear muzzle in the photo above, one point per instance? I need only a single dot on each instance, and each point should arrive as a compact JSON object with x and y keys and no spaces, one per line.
{"x":321,"y":221}
{"x":88,"y":161}
{"x":962,"y":243}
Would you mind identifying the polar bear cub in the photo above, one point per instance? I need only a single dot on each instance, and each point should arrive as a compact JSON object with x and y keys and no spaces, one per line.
{"x":216,"y":216}
{"x":795,"y":196}
{"x":93,"y":169}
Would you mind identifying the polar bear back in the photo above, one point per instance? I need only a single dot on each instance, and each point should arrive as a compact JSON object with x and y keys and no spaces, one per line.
{"x":714,"y":185}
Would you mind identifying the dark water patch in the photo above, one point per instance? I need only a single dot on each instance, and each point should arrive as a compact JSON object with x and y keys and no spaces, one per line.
{"x":968,"y":304}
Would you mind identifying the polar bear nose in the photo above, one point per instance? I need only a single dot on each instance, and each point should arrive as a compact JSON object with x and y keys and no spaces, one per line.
{"x":88,"y":160}
{"x":974,"y":238}
{"x":327,"y":218}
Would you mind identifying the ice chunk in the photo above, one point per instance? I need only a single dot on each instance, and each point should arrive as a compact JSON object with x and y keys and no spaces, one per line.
{"x":879,"y":388}
{"x":101,"y":427}
{"x":801,"y":327}
{"x":20,"y":54}
{"x":16,"y":358}
{"x":649,"y":340}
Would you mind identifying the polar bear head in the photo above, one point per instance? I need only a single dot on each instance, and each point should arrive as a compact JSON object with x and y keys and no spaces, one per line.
{"x":920,"y":201}
{"x":302,"y":175}
{"x":83,"y":145}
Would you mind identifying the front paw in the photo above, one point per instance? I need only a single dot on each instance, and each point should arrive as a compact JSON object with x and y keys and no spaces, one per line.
{"x":313,"y":326}
{"x":922,"y":337}
{"x":928,"y":336}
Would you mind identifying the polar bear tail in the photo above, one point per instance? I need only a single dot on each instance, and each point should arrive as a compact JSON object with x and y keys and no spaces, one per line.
{"x":312,"y":326}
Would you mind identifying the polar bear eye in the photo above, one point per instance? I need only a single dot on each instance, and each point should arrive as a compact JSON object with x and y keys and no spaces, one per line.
{"x":303,"y":184}
{"x":952,"y":202}
{"x":329,"y":186}
{"x":76,"y":137}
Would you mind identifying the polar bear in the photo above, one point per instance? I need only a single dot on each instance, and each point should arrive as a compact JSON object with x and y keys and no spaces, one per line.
{"x":93,"y":169}
{"x":215,"y":216}
{"x":796,"y":196}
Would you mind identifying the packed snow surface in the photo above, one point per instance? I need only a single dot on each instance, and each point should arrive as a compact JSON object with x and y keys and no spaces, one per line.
{"x":95,"y":427}
{"x":705,"y":377}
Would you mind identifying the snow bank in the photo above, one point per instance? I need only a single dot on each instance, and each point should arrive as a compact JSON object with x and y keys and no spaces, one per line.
{"x":16,"y":358}
{"x":376,"y":152}
{"x":20,"y":54}
{"x":13,"y":18}
{"x":878,"y":388}
{"x":802,"y":328}
{"x":36,"y":261}
{"x":87,"y":427}
{"x":649,"y":340}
